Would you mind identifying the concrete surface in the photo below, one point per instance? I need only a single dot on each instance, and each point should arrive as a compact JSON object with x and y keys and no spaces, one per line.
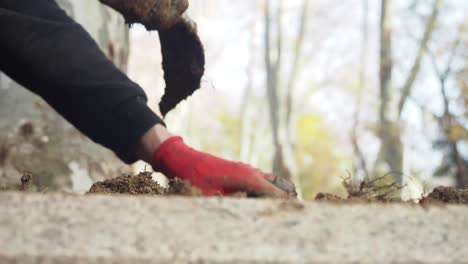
{"x":58,"y":228}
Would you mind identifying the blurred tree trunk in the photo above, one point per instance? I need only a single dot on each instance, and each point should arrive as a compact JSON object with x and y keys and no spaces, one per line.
{"x":391,"y":152}
{"x":34,"y":138}
{"x":390,"y":158}
{"x":272,"y":70}
{"x":360,"y":164}
{"x":294,"y":74}
{"x":283,"y":117}
{"x":246,"y":128}
{"x":272,"y":67}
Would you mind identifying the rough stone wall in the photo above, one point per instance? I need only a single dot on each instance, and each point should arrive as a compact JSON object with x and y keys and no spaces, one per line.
{"x":34,"y":138}
{"x":58,"y":228}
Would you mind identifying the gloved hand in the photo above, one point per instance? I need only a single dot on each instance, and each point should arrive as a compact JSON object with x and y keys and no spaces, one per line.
{"x":211,"y":174}
{"x":153,"y":14}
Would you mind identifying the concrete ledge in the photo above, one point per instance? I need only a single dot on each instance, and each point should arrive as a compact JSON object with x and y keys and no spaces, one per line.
{"x":58,"y":228}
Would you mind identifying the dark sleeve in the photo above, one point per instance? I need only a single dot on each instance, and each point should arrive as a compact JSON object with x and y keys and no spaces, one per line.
{"x":47,"y":52}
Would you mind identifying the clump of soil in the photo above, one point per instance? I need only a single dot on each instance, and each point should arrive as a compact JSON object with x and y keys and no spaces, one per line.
{"x":448,"y":195}
{"x":328,"y":197}
{"x":126,"y":184}
{"x":183,"y":61}
{"x":178,"y":186}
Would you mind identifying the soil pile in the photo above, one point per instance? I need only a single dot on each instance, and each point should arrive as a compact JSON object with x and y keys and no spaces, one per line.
{"x":448,"y":195}
{"x":126,"y":184}
{"x":143,"y":184}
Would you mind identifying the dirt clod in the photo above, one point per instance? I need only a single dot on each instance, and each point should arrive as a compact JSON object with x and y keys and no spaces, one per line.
{"x":328,"y":197}
{"x":180,"y":187}
{"x":448,"y":195}
{"x":183,"y":63}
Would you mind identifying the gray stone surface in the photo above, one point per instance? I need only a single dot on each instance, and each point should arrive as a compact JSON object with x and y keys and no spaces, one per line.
{"x":59,"y":228}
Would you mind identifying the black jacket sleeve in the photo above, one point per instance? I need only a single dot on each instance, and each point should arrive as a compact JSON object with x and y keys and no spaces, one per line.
{"x":47,"y":52}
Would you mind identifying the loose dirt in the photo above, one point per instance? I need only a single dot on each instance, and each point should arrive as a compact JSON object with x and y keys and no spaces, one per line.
{"x":127,"y":184}
{"x":143,"y":184}
{"x":448,"y":195}
{"x":180,"y":187}
{"x":328,"y":197}
{"x":439,"y":196}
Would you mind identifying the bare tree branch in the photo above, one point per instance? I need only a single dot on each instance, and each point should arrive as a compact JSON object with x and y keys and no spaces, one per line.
{"x":361,"y":161}
{"x":430,"y":25}
{"x":386,"y":64}
{"x":296,"y":61}
{"x":279,"y":41}
{"x":271,"y":70}
{"x":448,"y":121}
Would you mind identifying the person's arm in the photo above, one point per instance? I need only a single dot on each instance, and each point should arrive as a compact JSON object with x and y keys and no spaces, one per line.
{"x":47,"y":52}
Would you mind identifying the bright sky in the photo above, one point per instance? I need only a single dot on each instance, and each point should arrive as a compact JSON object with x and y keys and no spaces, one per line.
{"x":332,"y":52}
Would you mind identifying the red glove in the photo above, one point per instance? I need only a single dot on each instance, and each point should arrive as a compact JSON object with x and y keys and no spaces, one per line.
{"x":209,"y":173}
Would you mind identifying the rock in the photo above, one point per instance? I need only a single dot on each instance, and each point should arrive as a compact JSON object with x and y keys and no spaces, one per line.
{"x":61,"y":228}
